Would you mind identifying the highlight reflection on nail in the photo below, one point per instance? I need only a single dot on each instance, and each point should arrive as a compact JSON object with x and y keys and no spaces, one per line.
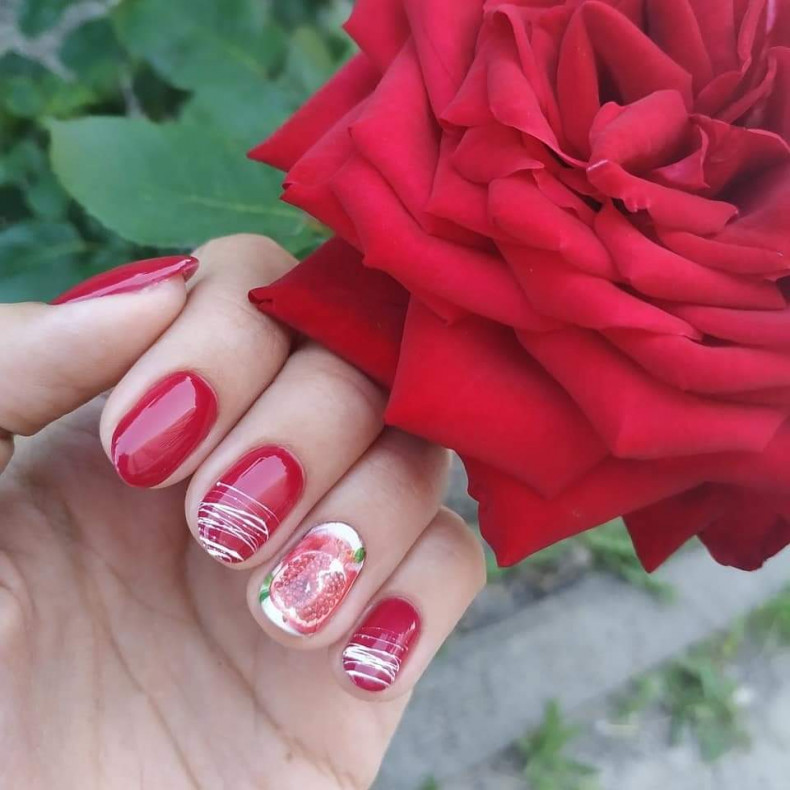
{"x":312,"y":580}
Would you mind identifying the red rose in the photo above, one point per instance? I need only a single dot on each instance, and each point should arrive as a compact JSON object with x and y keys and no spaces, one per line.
{"x":564,"y":232}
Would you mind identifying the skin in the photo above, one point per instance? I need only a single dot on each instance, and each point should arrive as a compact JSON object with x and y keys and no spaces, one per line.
{"x":128,"y":657}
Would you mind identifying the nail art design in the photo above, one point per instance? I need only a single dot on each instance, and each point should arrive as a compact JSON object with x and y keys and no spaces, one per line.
{"x":312,"y":580}
{"x":131,"y":277}
{"x":248,"y":503}
{"x":163,"y":429}
{"x":376,"y":652}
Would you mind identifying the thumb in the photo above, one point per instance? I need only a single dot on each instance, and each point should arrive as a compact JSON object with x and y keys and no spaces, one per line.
{"x":54,"y":358}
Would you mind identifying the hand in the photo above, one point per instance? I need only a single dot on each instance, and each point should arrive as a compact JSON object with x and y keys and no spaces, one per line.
{"x":128,"y":657}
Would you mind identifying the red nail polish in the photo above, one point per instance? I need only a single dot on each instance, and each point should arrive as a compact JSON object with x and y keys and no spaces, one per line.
{"x":163,"y":429}
{"x":247,"y":504}
{"x":376,"y":652}
{"x":131,"y":277}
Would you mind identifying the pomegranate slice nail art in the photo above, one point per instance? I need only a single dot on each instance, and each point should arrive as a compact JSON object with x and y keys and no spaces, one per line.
{"x":312,"y":580}
{"x":376,"y":652}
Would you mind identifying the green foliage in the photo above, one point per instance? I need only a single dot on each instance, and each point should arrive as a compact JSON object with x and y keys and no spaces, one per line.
{"x":770,"y":624}
{"x":123,"y":133}
{"x":211,"y":185}
{"x":545,"y":751}
{"x":194,"y":42}
{"x":612,"y":552}
{"x":699,"y":696}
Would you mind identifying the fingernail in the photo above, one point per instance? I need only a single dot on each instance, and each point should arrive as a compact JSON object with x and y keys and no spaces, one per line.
{"x":131,"y":277}
{"x":247,"y":504}
{"x":310,"y":583}
{"x":163,"y":429}
{"x":378,"y":649}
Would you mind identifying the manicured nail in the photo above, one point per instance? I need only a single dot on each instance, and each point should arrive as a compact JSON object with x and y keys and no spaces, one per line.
{"x":163,"y":429}
{"x":378,"y":649}
{"x":131,"y":277}
{"x":309,"y":584}
{"x":247,"y":504}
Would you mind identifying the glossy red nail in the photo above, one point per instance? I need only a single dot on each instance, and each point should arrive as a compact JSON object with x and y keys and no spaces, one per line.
{"x":378,"y":649}
{"x":131,"y":277}
{"x":163,"y":429}
{"x":247,"y":504}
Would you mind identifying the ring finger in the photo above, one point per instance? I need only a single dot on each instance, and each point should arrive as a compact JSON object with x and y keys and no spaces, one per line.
{"x":350,"y":543}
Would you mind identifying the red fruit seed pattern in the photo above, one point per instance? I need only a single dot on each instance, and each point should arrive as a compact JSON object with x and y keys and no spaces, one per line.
{"x":308,"y":585}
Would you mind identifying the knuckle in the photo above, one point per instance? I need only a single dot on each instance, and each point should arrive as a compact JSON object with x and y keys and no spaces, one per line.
{"x":342,"y":386}
{"x":414,"y":470}
{"x":245,"y":249}
{"x":259,"y":332}
{"x":459,"y":545}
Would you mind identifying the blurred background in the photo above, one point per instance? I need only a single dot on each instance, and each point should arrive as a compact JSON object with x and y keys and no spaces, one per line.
{"x":123,"y":129}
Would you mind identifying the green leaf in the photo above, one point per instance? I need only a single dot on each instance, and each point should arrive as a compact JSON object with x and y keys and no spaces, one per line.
{"x":36,"y":16}
{"x":172,"y":185}
{"x":310,"y":63}
{"x":95,"y":58}
{"x":38,"y":259}
{"x":194,"y":43}
{"x":265,"y":588}
{"x":248,"y":113}
{"x":28,"y":90}
{"x":26,"y":166}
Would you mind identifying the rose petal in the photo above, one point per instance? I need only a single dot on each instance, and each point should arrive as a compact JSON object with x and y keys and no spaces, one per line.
{"x":750,"y":532}
{"x":571,"y":296}
{"x":668,"y":207}
{"x":777,"y":115}
{"x":736,"y":153}
{"x":493,"y":151}
{"x":517,"y":522}
{"x":675,"y":28}
{"x":304,"y":129}
{"x":355,"y":312}
{"x":620,"y":44}
{"x":765,"y":213}
{"x":643,"y":135}
{"x":380,"y":28}
{"x":524,"y":213}
{"x":639,"y":417}
{"x":659,"y":530}
{"x":693,"y":367}
{"x":445,"y":50}
{"x":655,"y":271}
{"x":728,"y":257}
{"x":716,"y":20}
{"x":448,"y":377}
{"x":392,"y":241}
{"x":769,"y":328}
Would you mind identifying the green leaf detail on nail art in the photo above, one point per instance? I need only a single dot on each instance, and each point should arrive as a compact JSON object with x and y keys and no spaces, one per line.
{"x":359,"y":555}
{"x":265,"y":587}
